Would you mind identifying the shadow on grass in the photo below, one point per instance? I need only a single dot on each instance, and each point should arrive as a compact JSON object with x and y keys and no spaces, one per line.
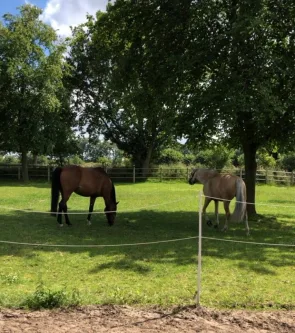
{"x":149,"y":226}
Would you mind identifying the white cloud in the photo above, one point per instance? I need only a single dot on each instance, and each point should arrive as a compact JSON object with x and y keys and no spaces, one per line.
{"x":61,"y":14}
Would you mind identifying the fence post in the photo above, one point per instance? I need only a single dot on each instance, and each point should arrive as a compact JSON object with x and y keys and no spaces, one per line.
{"x":160,"y":174}
{"x":292,"y":178}
{"x":133,"y":174}
{"x":48,"y":173}
{"x":266,"y":177}
{"x":199,"y":251}
{"x":18,"y":172}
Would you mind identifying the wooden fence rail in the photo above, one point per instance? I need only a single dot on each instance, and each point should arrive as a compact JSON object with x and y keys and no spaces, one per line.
{"x":133,"y":175}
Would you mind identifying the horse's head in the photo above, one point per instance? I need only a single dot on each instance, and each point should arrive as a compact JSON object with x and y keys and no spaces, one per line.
{"x":111,"y":212}
{"x":193,"y":177}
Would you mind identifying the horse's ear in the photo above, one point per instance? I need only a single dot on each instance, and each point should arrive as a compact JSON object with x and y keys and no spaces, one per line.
{"x":117,"y":202}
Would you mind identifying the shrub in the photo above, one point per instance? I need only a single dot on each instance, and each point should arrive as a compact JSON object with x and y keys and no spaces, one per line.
{"x":170,"y":156}
{"x":175,"y":171}
{"x":288,"y":162}
{"x":75,"y":160}
{"x":217,"y":157}
{"x":44,"y":298}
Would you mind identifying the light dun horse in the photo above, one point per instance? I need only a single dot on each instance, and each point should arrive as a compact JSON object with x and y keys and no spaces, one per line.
{"x":87,"y":182}
{"x":222,"y":187}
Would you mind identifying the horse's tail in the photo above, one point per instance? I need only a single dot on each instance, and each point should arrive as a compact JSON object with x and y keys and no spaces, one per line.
{"x":241,"y":205}
{"x":55,"y":189}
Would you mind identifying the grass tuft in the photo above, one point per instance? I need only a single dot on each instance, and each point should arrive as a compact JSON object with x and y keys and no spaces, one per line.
{"x":44,"y":298}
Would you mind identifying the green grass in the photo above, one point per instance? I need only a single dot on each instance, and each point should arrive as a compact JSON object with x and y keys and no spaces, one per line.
{"x":234,"y":275}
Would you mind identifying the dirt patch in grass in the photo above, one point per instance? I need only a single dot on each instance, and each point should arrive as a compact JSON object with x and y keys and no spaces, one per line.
{"x":130,"y":319}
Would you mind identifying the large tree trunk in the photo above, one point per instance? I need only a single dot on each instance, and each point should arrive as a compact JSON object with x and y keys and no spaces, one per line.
{"x":250,"y":150}
{"x":25,"y":171}
{"x":146,"y":162}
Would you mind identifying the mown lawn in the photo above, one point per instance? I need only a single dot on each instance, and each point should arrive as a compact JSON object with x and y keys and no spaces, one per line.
{"x":234,"y":275}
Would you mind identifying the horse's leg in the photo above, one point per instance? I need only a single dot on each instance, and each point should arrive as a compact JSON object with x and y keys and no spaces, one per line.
{"x":216,"y":214}
{"x":206,"y":203}
{"x":91,"y":205}
{"x":59,"y":214}
{"x":66,"y":214}
{"x":63,"y":207}
{"x":227,"y":214}
{"x":246,"y":224}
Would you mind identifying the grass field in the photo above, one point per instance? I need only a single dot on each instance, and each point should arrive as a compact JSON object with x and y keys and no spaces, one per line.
{"x":234,"y":275}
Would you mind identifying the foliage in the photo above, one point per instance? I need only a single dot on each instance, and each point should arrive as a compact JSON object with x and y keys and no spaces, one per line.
{"x":218,"y":157}
{"x":92,"y":150}
{"x":170,"y":156}
{"x":176,"y":171}
{"x":122,"y":74}
{"x":10,"y":159}
{"x":265,"y":160}
{"x":39,"y":159}
{"x":245,"y":93}
{"x":31,"y":83}
{"x":75,"y":160}
{"x":288,"y":162}
{"x":104,"y":161}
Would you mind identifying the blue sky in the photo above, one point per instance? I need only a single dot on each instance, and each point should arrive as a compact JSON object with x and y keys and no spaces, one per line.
{"x":9,"y":6}
{"x":60,"y":14}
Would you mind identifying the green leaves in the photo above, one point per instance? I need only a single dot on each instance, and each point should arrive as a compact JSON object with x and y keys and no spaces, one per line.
{"x":32,"y":73}
{"x":125,"y":70}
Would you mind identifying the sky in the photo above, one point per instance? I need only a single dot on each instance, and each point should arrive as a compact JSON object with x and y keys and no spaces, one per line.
{"x":60,"y":14}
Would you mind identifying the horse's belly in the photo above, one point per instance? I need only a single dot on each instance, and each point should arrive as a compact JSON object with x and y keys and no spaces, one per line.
{"x":86,"y":191}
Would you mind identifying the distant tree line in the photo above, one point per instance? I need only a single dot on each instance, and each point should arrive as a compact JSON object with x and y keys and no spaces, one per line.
{"x":108,"y":155}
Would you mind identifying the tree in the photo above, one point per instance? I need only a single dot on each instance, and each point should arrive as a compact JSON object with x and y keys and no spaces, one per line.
{"x":217,"y":157}
{"x":93,"y":150}
{"x":246,"y":95}
{"x":123,"y":61}
{"x":31,"y":73}
{"x":170,"y":156}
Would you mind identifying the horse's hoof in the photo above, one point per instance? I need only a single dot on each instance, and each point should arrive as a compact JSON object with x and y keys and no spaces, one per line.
{"x":209,"y":223}
{"x":88,"y":222}
{"x":215,"y":226}
{"x":60,"y":225}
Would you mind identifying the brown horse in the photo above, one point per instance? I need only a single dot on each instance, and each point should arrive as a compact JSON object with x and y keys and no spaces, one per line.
{"x":87,"y":182}
{"x":222,"y":187}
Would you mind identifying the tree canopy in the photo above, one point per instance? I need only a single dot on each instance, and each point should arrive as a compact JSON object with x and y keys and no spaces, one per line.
{"x":122,"y":74}
{"x":246,"y":94}
{"x":31,"y":83}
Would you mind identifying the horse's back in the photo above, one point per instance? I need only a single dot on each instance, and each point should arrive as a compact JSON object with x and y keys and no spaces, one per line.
{"x":70,"y":177}
{"x":222,"y":186}
{"x":84,"y":181}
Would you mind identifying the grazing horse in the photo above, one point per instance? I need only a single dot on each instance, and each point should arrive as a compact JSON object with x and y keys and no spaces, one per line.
{"x":222,"y":187}
{"x":87,"y":182}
